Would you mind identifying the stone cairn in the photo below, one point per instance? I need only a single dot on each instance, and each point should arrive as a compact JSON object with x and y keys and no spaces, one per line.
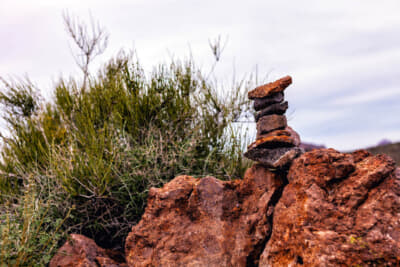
{"x":276,"y":145}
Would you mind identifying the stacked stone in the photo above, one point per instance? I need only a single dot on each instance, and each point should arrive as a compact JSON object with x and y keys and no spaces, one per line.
{"x":276,"y":144}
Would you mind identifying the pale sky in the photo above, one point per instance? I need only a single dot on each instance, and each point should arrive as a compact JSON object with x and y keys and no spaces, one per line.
{"x":343,"y":55}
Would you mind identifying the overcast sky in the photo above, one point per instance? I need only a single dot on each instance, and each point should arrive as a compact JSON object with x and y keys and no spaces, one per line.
{"x":343,"y":55}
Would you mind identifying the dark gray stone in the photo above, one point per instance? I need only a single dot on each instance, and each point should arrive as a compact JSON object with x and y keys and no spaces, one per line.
{"x":277,"y":108}
{"x":277,"y":158}
{"x":261,"y":103}
{"x":270,"y":123}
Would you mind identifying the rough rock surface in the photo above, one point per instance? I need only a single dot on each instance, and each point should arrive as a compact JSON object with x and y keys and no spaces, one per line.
{"x":337,"y":210}
{"x":288,"y":131}
{"x":272,"y":142}
{"x":270,"y":88}
{"x":275,"y":133}
{"x":81,"y":251}
{"x":275,"y":158}
{"x":206,"y":222}
{"x":261,"y":103}
{"x":277,"y":108}
{"x":270,"y":123}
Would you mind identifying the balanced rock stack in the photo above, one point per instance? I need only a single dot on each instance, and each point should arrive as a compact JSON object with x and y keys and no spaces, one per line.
{"x":277,"y":144}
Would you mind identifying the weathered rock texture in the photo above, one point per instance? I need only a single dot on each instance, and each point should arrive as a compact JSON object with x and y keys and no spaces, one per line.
{"x":337,"y":210}
{"x":272,"y":142}
{"x":270,"y":88}
{"x":260,"y":103}
{"x":277,"y":108}
{"x":288,"y":131}
{"x":270,"y":123}
{"x":331,"y":209}
{"x":277,"y":158}
{"x":81,"y":251}
{"x":206,"y":222}
{"x":277,"y":144}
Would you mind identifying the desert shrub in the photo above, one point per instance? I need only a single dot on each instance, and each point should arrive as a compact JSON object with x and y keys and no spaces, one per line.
{"x":100,"y":149}
{"x":28,"y":237}
{"x":102,"y":141}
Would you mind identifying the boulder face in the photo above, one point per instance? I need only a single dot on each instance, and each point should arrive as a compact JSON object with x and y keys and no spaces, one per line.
{"x":337,"y":210}
{"x":82,"y":252}
{"x":206,"y":222}
{"x":330,"y":209}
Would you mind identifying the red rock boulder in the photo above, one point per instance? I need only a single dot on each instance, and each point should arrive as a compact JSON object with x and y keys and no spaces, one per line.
{"x":206,"y":222}
{"x":337,"y":210}
{"x":331,"y":209}
{"x":81,"y":251}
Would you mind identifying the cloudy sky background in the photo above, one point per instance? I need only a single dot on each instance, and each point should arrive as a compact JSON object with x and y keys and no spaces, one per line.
{"x":344,"y":56}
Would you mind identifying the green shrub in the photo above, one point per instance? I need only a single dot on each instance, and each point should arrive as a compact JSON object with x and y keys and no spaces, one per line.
{"x":102,"y":148}
{"x":28,"y":237}
{"x":101,"y":142}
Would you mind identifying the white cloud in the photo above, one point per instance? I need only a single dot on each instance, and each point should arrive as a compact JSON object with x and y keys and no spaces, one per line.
{"x":343,"y":55}
{"x":365,"y":97}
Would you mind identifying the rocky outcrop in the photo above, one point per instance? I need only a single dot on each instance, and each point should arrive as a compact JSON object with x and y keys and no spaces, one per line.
{"x":206,"y":222}
{"x":331,"y":209}
{"x":337,"y":210}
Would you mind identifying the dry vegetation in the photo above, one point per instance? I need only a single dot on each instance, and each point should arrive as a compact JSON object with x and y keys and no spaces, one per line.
{"x":84,"y":160}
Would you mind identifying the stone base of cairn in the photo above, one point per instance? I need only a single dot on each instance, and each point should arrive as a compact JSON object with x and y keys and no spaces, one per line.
{"x":276,"y":145}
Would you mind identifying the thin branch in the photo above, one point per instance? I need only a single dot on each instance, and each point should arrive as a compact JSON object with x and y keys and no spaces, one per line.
{"x":91,"y":41}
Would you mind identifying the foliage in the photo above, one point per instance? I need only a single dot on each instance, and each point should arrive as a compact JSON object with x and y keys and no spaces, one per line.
{"x":101,"y":142}
{"x":102,"y":148}
{"x":28,"y":237}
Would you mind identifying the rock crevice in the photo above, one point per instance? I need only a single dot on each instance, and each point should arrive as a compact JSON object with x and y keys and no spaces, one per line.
{"x":222,"y":223}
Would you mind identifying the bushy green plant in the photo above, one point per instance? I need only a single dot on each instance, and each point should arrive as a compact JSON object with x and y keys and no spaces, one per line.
{"x":28,"y":237}
{"x":100,"y":144}
{"x":105,"y":146}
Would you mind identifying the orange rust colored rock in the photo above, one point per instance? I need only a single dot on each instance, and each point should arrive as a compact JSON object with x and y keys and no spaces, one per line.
{"x":272,"y":141}
{"x":331,"y":209}
{"x":274,"y":133}
{"x":337,"y":210}
{"x":288,"y":131}
{"x":206,"y":222}
{"x":270,"y":88}
{"x":82,"y":251}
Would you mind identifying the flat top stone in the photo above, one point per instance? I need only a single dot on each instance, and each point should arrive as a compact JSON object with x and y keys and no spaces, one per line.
{"x":272,"y":140}
{"x":277,"y":158}
{"x":288,"y":131}
{"x":270,"y":88}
